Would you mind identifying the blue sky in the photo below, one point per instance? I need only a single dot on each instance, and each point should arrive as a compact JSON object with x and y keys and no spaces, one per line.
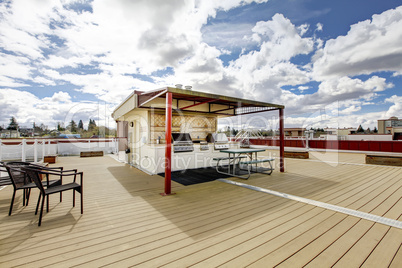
{"x":331,"y":63}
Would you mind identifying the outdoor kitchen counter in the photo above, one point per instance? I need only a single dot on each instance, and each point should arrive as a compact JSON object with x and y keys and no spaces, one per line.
{"x":151,"y":157}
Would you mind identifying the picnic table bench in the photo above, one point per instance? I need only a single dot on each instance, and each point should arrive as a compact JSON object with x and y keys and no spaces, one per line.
{"x":254,"y":162}
{"x":235,"y":163}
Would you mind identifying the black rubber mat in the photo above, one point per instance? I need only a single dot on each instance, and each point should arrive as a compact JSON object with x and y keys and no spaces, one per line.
{"x":195,"y":176}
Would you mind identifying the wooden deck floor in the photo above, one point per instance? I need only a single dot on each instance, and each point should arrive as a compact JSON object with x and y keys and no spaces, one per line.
{"x":127,"y":223}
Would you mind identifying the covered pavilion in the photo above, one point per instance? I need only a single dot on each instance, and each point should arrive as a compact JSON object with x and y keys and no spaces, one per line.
{"x":177,"y":101}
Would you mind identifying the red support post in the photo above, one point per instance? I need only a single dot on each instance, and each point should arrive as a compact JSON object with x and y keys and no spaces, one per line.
{"x":168,"y":148}
{"x":281,"y":142}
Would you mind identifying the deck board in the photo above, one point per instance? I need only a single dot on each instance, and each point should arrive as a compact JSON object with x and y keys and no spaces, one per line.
{"x":126,"y":222}
{"x":357,"y":254}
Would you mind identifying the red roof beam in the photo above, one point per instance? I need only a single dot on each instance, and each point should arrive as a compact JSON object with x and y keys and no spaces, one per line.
{"x":196,"y":104}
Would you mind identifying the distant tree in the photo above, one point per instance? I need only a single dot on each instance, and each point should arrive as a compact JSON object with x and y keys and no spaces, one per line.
{"x":41,"y":129}
{"x":360,"y":129}
{"x":91,"y":125}
{"x":13,"y":124}
{"x":60,"y":127}
{"x":80,"y":125}
{"x":375,"y":130}
{"x":368,"y":131}
{"x":72,"y":126}
{"x":1,"y":128}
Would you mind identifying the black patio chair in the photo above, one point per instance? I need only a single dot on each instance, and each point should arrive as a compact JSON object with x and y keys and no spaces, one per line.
{"x":35,"y":175}
{"x":21,"y":181}
{"x":5,"y":179}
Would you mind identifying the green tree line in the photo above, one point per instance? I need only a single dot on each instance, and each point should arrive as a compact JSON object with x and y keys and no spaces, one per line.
{"x":92,"y":129}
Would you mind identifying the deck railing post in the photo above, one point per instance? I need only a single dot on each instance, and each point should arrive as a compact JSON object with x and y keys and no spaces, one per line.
{"x":115,"y":144}
{"x":48,"y":147}
{"x":36,"y":150}
{"x":24,"y":149}
{"x":43,"y":150}
{"x":281,"y":141}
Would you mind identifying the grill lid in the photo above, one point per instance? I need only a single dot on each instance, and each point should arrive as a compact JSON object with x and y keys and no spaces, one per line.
{"x":182,"y":137}
{"x":217,"y":138}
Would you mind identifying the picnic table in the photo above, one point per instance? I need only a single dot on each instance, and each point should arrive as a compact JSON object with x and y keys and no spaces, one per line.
{"x":236,"y":162}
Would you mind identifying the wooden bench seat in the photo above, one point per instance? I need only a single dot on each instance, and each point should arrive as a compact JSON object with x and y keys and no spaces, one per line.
{"x":297,"y":154}
{"x":51,"y":159}
{"x":383,"y":159}
{"x":91,"y":153}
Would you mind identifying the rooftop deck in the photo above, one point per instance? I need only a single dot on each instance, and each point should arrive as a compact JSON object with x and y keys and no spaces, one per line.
{"x":127,"y":223}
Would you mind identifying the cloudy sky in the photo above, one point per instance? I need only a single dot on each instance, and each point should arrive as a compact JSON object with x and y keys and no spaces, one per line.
{"x":331,"y":63}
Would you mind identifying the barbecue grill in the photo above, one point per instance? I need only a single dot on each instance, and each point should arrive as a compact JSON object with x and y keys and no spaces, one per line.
{"x":220,"y":140}
{"x":182,"y":142}
{"x":204,"y":146}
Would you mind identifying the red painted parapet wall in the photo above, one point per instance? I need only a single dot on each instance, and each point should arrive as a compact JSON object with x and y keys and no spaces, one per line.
{"x":374,"y":146}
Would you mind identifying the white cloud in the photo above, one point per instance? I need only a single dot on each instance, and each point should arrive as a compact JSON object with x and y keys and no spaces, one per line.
{"x":260,"y":74}
{"x":350,"y":110}
{"x":227,"y":35}
{"x":369,"y":46}
{"x":303,"y":29}
{"x":303,"y":88}
{"x":43,"y":81}
{"x":122,"y":45}
{"x":396,"y":107}
{"x":334,"y":116}
{"x":346,"y":88}
{"x":281,"y":40}
{"x":27,"y":109}
{"x":59,"y":97}
{"x":14,"y":67}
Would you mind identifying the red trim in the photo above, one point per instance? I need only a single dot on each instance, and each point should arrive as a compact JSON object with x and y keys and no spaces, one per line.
{"x":281,"y":142}
{"x":198,"y":104}
{"x":168,"y":148}
{"x":366,"y":146}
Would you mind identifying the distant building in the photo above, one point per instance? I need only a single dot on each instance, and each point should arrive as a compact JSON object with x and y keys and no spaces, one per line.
{"x":294,"y":132}
{"x":26,"y":132}
{"x":7,"y":134}
{"x":340,"y":131}
{"x":393,"y":126}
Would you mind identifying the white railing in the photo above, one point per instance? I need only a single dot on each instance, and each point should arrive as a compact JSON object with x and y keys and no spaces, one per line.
{"x":36,"y":149}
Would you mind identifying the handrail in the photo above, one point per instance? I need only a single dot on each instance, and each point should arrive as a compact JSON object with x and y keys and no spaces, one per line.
{"x":36,"y":149}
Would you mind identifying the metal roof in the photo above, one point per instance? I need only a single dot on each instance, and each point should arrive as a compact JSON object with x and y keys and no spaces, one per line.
{"x":234,"y":106}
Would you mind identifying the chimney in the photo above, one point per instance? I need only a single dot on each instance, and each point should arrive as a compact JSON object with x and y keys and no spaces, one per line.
{"x":178,"y":86}
{"x":188,"y":87}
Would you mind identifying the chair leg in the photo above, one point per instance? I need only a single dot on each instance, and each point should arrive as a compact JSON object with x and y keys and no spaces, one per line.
{"x":12,"y":203}
{"x":37,"y":205}
{"x":82,"y":201}
{"x":73,"y":197}
{"x":24,"y":197}
{"x":47,"y":203}
{"x":61,"y":196}
{"x":28,"y":194}
{"x":41,"y":210}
